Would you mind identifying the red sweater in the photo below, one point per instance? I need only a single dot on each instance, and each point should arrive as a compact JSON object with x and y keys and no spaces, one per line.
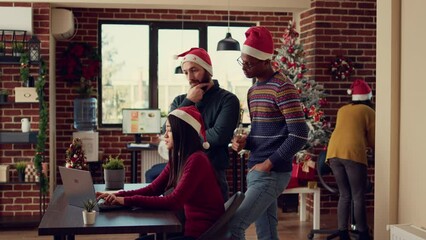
{"x":197,"y":192}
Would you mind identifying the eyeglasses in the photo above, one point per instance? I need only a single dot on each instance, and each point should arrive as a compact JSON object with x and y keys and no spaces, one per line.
{"x":248,"y":65}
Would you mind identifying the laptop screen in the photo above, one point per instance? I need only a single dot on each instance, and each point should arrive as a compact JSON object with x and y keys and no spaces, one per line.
{"x":78,"y":186}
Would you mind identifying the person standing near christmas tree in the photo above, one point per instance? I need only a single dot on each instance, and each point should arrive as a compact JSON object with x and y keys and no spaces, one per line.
{"x":347,"y":156}
{"x":278,"y":132}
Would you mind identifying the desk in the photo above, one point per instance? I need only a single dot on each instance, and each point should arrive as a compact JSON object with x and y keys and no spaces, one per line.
{"x":64,"y":221}
{"x":134,"y":159}
{"x":302,"y":191}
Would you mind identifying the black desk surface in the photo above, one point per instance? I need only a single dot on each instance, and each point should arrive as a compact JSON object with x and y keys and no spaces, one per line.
{"x":62,"y":219}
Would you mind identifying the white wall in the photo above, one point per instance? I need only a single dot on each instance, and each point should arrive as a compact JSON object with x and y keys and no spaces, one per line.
{"x":400,"y":195}
{"x":387,"y":117}
{"x":412,"y":192}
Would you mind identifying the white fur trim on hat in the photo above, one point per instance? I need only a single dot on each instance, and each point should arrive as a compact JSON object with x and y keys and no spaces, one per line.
{"x":198,"y":60}
{"x":362,"y":97}
{"x":187,"y":118}
{"x":256,"y":53}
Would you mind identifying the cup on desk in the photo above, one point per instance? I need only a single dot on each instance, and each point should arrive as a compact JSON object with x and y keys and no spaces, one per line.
{"x":25,"y":125}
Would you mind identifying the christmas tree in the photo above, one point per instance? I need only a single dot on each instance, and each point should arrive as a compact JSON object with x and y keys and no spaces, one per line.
{"x":74,"y":155}
{"x":291,"y":62}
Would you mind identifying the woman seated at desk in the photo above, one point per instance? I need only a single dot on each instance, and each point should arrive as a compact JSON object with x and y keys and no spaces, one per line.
{"x":188,"y":176}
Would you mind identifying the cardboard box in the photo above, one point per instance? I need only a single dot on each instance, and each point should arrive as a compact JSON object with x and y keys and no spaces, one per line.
{"x":4,"y":173}
{"x":26,"y":94}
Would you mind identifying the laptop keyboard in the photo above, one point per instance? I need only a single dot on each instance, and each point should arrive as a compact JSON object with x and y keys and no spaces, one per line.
{"x":108,"y":207}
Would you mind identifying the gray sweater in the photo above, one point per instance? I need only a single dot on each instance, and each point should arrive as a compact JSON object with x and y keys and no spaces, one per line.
{"x":220,"y":110}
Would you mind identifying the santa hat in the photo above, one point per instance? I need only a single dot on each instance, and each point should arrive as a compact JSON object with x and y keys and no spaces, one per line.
{"x":360,"y":91}
{"x":198,"y":56}
{"x":259,"y":43}
{"x":192,"y":116}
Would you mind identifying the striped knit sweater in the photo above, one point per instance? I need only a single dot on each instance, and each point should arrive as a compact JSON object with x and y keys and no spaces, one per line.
{"x":278,"y":125}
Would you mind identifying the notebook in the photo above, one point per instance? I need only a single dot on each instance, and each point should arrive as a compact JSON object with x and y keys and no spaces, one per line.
{"x":78,"y":187}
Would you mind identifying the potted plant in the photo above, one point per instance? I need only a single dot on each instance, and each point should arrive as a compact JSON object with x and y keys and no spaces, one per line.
{"x":18,"y":48}
{"x":89,"y":213}
{"x":114,"y":173}
{"x":3,"y":95}
{"x":20,"y":168}
{"x":2,"y":49}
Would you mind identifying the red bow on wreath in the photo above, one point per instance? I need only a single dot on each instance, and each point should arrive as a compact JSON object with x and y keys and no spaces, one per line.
{"x":341,"y":68}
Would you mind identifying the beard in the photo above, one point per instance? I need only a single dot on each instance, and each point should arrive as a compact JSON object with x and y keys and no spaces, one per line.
{"x":206,"y":79}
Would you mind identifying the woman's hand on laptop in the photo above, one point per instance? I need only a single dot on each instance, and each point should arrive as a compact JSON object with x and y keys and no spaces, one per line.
{"x":110,"y":198}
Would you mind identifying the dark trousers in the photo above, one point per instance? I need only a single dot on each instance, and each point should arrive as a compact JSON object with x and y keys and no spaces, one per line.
{"x":351,"y":179}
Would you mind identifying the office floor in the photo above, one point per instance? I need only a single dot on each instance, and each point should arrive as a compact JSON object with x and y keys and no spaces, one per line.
{"x":289,"y":229}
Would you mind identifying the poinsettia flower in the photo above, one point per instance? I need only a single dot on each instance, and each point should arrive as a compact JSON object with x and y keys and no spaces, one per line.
{"x":78,"y":50}
{"x":322,"y":102}
{"x":312,"y":110}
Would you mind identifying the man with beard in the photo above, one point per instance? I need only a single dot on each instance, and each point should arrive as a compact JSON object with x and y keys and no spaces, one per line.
{"x":278,"y":131}
{"x":220,"y":109}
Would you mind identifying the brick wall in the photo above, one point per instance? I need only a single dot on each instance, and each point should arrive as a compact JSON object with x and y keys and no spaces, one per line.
{"x":21,"y":199}
{"x":329,"y":28}
{"x":346,"y":28}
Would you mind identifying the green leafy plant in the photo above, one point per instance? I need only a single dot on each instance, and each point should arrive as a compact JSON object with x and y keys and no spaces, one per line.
{"x":18,"y":47}
{"x":24,"y":71}
{"x":2,"y":47}
{"x":89,"y":205}
{"x":113,"y":163}
{"x":85,"y":89}
{"x":4,"y":92}
{"x":20,"y":166}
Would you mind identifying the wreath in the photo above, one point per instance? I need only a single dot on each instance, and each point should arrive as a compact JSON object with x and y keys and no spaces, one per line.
{"x":341,"y":68}
{"x":80,"y":61}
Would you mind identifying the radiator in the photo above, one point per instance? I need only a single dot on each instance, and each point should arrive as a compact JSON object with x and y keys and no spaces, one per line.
{"x":406,"y":232}
{"x":148,"y":159}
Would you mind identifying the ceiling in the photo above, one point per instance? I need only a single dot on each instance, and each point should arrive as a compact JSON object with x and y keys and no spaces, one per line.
{"x":241,"y":5}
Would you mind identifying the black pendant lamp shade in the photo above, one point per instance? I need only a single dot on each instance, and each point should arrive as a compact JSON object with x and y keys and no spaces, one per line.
{"x":178,"y":70}
{"x":228,"y":44}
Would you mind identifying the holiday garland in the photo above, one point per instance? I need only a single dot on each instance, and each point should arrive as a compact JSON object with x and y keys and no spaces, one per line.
{"x":41,"y":136}
{"x":341,"y":68}
{"x":42,"y":126}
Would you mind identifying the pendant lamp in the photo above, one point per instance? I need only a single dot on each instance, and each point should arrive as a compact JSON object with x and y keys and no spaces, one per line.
{"x":178,"y":70}
{"x":228,"y":43}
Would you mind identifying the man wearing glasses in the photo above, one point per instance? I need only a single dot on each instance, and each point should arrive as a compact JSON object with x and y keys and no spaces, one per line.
{"x":278,"y":131}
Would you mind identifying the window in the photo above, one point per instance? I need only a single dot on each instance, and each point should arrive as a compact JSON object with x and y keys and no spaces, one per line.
{"x":138,"y":64}
{"x":170,"y":84}
{"x":125,"y":70}
{"x":225,"y":66}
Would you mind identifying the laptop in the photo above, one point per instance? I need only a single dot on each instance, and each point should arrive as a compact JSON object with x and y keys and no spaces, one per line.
{"x":78,"y":187}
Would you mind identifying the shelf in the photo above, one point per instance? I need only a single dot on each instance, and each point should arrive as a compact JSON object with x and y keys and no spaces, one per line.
{"x":10,"y":103}
{"x":15,"y":183}
{"x":10,"y":59}
{"x":18,"y":137}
